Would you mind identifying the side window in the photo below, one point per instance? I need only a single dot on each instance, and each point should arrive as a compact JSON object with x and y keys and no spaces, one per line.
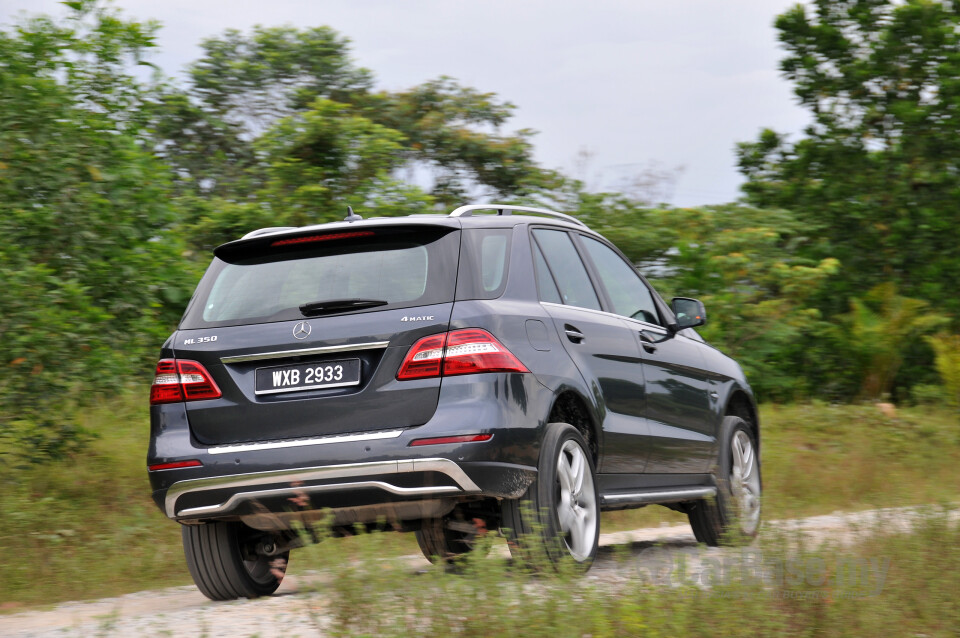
{"x":570,"y":274}
{"x":484,"y":262}
{"x":548,"y":289}
{"x":629,"y":295}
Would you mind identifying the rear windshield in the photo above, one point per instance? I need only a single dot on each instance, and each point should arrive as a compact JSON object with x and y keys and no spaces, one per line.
{"x":402,"y":267}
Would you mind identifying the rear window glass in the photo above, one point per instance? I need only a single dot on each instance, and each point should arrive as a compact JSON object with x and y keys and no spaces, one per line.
{"x":402,"y":268}
{"x":565,"y":265}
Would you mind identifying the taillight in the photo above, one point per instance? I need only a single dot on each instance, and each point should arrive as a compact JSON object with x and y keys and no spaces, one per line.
{"x":469,"y":351}
{"x":424,"y":359}
{"x":474,"y":350}
{"x":182,"y":380}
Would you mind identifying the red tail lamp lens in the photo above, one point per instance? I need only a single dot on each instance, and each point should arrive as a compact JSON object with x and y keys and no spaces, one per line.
{"x":469,"y":351}
{"x":473,"y":351}
{"x":182,"y":380}
{"x":424,"y":360}
{"x":309,"y":239}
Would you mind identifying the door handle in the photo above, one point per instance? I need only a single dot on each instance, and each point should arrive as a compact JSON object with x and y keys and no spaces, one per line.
{"x":647,"y":343}
{"x":573,"y":334}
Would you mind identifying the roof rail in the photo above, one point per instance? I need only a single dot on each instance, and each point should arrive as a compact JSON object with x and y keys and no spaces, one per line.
{"x":264,"y":231}
{"x":505,"y":209}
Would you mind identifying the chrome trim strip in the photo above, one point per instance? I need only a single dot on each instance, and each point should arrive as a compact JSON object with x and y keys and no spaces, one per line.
{"x":467,"y":211}
{"x":276,"y":445}
{"x":231,"y":502}
{"x":646,"y":326}
{"x":663,"y":496}
{"x":303,"y":352}
{"x":309,"y":387}
{"x":443,"y":466}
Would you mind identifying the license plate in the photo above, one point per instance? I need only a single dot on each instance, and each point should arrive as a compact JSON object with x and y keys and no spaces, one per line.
{"x":308,"y":376}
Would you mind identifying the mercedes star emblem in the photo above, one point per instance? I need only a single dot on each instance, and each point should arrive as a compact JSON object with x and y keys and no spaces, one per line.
{"x":302,"y":330}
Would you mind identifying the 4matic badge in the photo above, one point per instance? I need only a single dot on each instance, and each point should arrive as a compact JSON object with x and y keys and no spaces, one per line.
{"x":421,"y":318}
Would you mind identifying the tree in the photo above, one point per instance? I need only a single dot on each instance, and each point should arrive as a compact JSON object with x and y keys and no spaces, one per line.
{"x":244,"y":85}
{"x":878,"y":330}
{"x":89,"y":270}
{"x":877,"y":175}
{"x":742,"y":263}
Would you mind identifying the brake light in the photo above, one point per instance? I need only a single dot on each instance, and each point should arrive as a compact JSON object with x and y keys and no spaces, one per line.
{"x":469,"y":351}
{"x":424,"y":360}
{"x":329,"y":236}
{"x":182,"y":380}
{"x":473,"y":351}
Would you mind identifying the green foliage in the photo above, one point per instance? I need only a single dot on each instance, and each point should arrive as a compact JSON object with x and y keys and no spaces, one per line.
{"x":274,"y":72}
{"x":875,"y":175}
{"x":878,"y":329}
{"x":740,"y":261}
{"x":243,"y":85}
{"x":946,"y":349}
{"x":328,"y":155}
{"x":487,"y":597}
{"x":86,"y":259}
{"x":441,"y":122}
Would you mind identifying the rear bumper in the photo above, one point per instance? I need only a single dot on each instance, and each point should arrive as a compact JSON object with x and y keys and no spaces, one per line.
{"x":359,"y":470}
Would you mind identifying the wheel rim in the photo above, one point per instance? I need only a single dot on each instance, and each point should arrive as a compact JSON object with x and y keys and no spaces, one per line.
{"x":745,"y":482}
{"x":577,"y":505}
{"x":260,"y":569}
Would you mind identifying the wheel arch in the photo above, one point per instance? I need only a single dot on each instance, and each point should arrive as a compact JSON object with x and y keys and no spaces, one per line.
{"x":569,"y":407}
{"x":741,"y":404}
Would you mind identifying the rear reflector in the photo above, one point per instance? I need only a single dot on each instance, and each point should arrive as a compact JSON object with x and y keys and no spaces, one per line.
{"x":309,"y":239}
{"x":173,"y":466}
{"x":182,"y":380}
{"x":469,"y":351}
{"x":440,"y":440}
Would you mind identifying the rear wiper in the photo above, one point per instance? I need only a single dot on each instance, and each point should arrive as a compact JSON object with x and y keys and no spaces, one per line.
{"x":339,"y":305}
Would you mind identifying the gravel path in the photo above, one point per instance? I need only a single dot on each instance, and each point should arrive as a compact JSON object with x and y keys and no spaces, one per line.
{"x":183,"y":611}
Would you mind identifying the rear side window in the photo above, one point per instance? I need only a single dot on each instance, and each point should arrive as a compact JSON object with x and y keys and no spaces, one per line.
{"x":545,"y":284}
{"x":484,"y":262}
{"x":402,"y":268}
{"x":568,"y":271}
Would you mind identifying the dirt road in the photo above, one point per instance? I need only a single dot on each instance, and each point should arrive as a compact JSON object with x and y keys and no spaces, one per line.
{"x":183,"y":611}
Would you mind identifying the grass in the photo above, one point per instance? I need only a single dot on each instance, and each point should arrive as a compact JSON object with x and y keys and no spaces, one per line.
{"x":87,"y":528}
{"x":886,"y":584}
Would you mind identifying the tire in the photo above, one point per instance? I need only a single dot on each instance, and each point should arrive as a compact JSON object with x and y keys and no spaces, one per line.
{"x":222,"y":561}
{"x":733,"y":517}
{"x":448,"y":538}
{"x":556,"y":516}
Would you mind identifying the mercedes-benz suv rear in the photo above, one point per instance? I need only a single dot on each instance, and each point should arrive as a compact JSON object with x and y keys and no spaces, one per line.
{"x":416,"y":372}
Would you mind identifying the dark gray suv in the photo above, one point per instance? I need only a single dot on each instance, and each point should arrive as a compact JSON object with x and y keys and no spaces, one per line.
{"x":441,"y":374}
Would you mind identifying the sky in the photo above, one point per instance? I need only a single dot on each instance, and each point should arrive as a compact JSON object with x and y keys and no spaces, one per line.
{"x":632,"y":85}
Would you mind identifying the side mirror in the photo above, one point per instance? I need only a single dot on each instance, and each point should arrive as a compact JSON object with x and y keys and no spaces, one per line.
{"x":689,"y":312}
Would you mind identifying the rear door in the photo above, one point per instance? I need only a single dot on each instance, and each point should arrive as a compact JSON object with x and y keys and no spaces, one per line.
{"x":304,"y":334}
{"x":601,"y":346}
